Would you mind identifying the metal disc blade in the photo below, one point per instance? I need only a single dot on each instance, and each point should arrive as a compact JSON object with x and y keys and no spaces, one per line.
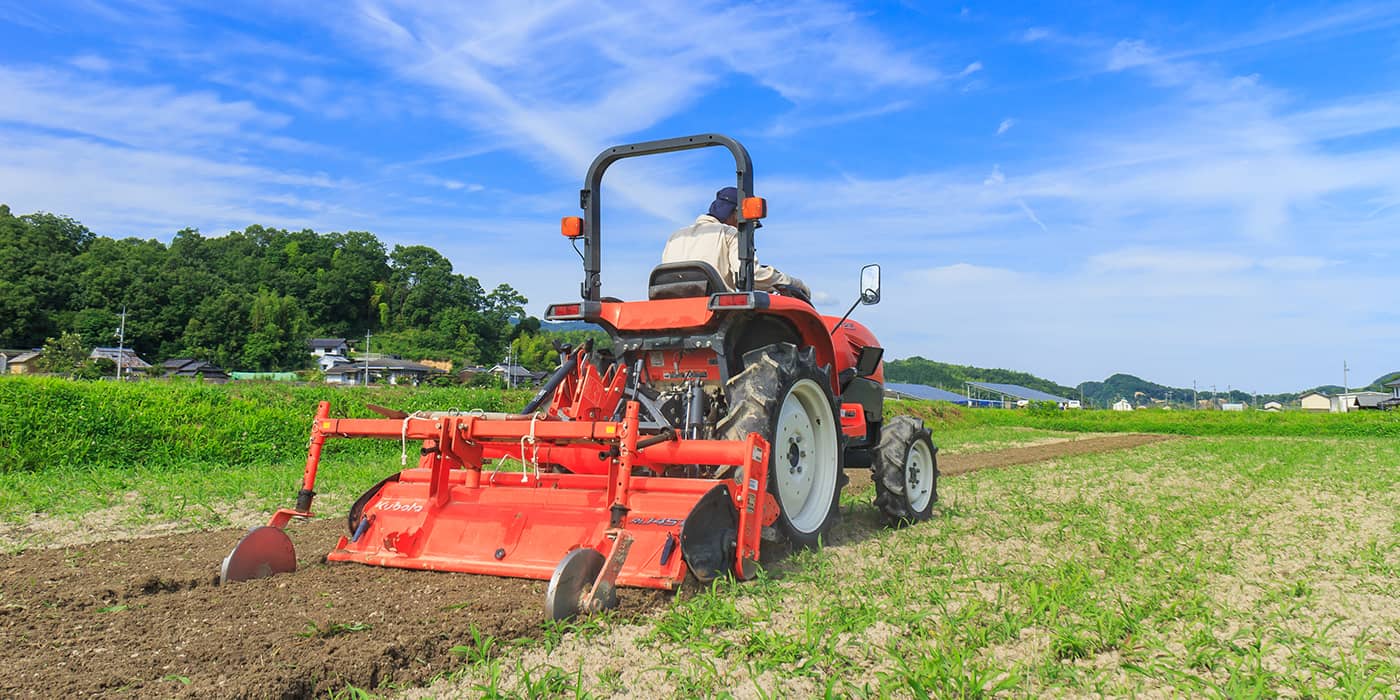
{"x":572,"y":580}
{"x":262,"y":552}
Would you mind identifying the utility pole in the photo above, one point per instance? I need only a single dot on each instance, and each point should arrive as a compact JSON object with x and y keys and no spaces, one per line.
{"x":1214,"y":397}
{"x":367,"y":334}
{"x":121,"y":344}
{"x":1346,"y":388}
{"x":1195,"y":397}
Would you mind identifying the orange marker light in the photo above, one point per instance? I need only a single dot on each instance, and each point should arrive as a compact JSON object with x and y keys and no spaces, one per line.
{"x":571,"y":226}
{"x":754,"y":208}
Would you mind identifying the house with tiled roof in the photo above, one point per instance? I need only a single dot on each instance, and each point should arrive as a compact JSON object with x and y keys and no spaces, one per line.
{"x":190,"y":368}
{"x":125,"y":358}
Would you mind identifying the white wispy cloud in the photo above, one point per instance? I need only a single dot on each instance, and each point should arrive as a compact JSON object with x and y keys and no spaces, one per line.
{"x":1005,"y":126}
{"x":1030,"y":214}
{"x":149,"y":115}
{"x":611,"y":71}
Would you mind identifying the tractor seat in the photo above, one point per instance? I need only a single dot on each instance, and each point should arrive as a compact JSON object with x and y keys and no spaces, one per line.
{"x":688,"y":278}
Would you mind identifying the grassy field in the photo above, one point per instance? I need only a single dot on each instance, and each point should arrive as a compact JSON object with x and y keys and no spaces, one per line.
{"x":1260,"y":560}
{"x":162,"y":450}
{"x":188,"y":452}
{"x":1219,"y":567}
{"x":1260,"y":423}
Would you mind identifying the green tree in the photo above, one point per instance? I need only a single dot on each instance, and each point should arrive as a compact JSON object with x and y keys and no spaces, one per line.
{"x":38,"y":256}
{"x":344,"y":301}
{"x":535,"y":352}
{"x":278,"y":333}
{"x":218,"y":330}
{"x":64,"y":355}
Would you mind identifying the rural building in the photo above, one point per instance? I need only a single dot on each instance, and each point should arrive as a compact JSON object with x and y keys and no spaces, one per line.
{"x":1357,"y":401}
{"x":125,"y":358}
{"x":329,"y":360}
{"x":1273,"y":407}
{"x":191,"y":368}
{"x":25,"y":362}
{"x":1237,"y":407}
{"x":1394,"y":401}
{"x":5,"y":356}
{"x":1315,"y":401}
{"x":384,"y":370}
{"x":515,"y":375}
{"x":330,"y":346}
{"x":1122,"y":405}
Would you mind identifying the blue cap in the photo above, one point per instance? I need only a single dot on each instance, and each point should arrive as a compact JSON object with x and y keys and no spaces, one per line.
{"x":726,"y":201}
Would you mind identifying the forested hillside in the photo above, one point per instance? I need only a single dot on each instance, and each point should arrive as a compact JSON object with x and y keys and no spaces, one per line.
{"x":917,"y":370}
{"x":248,"y":299}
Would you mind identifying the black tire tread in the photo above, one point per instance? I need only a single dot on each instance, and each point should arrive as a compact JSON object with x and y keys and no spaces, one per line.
{"x":897,"y":436}
{"x":753,"y":397}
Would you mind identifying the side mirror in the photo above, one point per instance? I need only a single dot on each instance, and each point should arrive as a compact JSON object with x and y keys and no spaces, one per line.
{"x":870,"y":285}
{"x":869,"y":360}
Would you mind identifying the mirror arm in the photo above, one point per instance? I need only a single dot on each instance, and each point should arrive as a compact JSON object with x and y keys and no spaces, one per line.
{"x":846,"y":315}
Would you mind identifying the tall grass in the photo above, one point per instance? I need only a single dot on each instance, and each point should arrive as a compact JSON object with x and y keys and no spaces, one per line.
{"x":58,"y":424}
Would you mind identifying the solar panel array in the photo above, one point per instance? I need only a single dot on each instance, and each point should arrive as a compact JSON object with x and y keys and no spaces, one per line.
{"x":928,"y":393}
{"x":1019,"y":392}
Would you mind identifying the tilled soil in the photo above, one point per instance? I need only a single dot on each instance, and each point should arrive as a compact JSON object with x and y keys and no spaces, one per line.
{"x":146,"y":617}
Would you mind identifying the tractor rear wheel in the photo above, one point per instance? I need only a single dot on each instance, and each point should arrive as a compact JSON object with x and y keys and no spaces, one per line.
{"x":906,"y":471}
{"x":782,"y":395}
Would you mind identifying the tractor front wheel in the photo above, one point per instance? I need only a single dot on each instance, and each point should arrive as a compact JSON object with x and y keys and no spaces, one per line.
{"x":782,"y":395}
{"x":906,"y":471}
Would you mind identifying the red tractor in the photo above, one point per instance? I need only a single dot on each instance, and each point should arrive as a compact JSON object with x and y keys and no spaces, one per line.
{"x":721,"y":418}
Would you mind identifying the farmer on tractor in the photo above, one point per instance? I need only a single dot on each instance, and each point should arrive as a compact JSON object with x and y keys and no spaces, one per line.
{"x":714,"y":239}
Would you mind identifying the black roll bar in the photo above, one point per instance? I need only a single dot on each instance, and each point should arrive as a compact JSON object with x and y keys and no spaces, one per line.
{"x":591,"y":289}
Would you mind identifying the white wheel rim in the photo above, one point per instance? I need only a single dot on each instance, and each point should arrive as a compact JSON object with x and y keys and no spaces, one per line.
{"x":918,"y":475}
{"x":804,"y":456}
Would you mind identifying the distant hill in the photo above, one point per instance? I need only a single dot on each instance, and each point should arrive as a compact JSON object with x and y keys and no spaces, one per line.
{"x":1138,"y":391}
{"x":918,"y":370}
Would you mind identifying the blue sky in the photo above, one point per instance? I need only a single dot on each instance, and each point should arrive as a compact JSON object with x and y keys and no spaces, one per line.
{"x":1202,"y":192}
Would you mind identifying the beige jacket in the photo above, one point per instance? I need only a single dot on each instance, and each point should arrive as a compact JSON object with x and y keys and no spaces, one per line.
{"x":712,"y":241}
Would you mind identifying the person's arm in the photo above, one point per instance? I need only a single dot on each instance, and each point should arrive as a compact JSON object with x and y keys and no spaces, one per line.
{"x":765,"y":278}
